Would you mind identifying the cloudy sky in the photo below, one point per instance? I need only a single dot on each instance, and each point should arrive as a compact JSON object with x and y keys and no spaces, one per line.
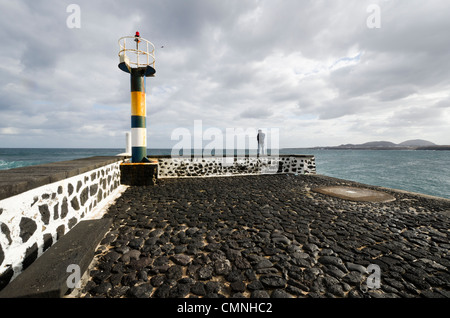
{"x":322,"y":72}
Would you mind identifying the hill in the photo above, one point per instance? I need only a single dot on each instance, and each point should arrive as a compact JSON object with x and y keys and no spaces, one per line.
{"x":417,"y":143}
{"x":408,"y":144}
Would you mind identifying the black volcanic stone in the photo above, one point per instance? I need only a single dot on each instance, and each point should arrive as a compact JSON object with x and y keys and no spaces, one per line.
{"x":273,"y":281}
{"x":100,"y":276}
{"x":234,"y":276}
{"x":111,"y":256}
{"x":270,"y":236}
{"x":280,"y":293}
{"x":181,"y":259}
{"x":45,"y":213}
{"x":213,"y":287}
{"x":205,"y":272}
{"x":255,"y":285}
{"x":222,"y":267}
{"x":64,"y":208}
{"x":259,"y":294}
{"x":237,"y":286}
{"x":242,"y":263}
{"x":6,"y":232}
{"x":136,"y":243}
{"x":174,"y":273}
{"x":27,"y":228}
{"x":84,"y":196}
{"x":115,"y":279}
{"x":332,"y":260}
{"x":162,"y":291}
{"x":75,"y":204}
{"x":265,"y":263}
{"x":198,"y":289}
{"x":129,"y":279}
{"x":179,"y":291}
{"x":140,"y":291}
{"x":101,"y":289}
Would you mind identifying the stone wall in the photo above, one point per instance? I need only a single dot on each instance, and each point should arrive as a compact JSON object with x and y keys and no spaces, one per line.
{"x":229,"y":166}
{"x":30,"y":222}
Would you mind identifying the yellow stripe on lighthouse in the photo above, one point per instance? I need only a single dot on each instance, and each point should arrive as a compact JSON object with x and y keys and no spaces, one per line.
{"x":138,"y":104}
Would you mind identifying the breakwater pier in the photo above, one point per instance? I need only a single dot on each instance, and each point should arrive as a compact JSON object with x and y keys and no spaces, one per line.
{"x":278,"y":235}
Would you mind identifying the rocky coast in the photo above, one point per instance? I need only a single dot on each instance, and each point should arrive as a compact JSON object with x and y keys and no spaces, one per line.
{"x":269,"y":236}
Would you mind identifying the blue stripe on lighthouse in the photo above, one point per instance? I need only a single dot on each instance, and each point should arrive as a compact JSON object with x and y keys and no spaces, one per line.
{"x":138,"y":122}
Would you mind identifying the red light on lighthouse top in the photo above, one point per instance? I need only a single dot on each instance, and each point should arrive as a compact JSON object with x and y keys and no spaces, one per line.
{"x":137,"y":37}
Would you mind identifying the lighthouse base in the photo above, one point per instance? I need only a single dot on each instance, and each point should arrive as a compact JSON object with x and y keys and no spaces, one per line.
{"x":138,"y":174}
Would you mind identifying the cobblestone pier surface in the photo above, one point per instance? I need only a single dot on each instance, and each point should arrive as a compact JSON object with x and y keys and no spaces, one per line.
{"x":269,"y":236}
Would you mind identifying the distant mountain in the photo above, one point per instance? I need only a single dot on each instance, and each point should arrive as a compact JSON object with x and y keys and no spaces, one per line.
{"x":417,"y":143}
{"x":409,"y":144}
{"x":376,"y":144}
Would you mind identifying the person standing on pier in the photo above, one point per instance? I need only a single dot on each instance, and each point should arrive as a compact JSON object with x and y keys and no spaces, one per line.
{"x":260,"y":137}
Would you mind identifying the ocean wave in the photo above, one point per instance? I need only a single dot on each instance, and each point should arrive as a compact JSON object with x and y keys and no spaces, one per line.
{"x":4,"y":165}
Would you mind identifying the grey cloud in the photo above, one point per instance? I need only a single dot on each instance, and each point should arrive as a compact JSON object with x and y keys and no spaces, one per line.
{"x":257,"y":112}
{"x":444,"y":104}
{"x":216,"y":64}
{"x":338,"y":108}
{"x":386,"y":75}
{"x":396,"y":92}
{"x":418,"y":116}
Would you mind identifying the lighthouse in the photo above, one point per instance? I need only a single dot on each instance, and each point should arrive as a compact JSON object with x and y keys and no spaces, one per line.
{"x":137,"y":57}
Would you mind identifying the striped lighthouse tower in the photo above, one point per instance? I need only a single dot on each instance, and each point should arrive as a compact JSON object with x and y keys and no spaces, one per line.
{"x":140,"y":64}
{"x":138,"y":117}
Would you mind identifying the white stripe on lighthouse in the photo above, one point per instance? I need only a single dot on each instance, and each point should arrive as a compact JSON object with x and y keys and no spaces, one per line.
{"x":138,"y":137}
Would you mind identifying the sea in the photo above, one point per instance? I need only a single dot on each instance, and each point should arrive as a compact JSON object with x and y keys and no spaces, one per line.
{"x":422,"y":171}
